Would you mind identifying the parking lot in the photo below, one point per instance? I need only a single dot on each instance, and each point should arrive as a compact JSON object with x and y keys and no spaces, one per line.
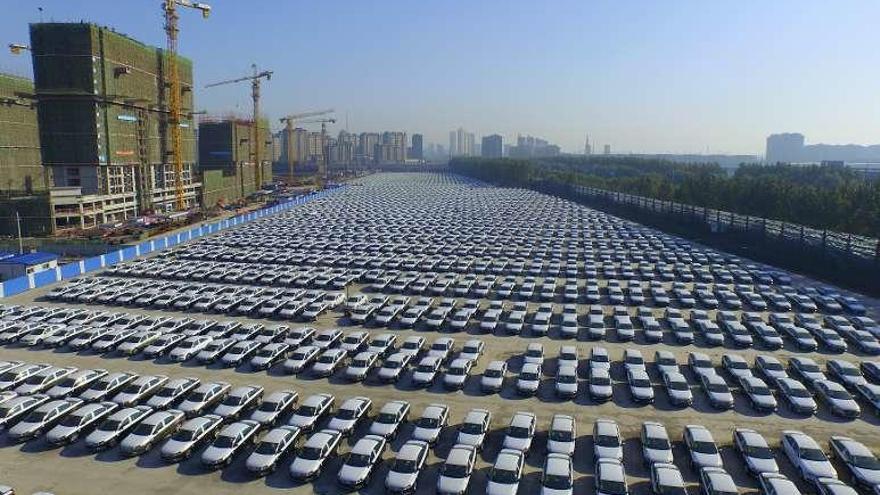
{"x":506,"y":267}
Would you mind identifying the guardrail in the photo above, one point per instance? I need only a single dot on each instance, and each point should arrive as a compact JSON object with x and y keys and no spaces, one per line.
{"x":719,"y":221}
{"x":39,"y":279}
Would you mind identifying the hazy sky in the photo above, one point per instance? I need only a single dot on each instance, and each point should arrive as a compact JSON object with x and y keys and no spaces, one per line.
{"x":644,"y":76}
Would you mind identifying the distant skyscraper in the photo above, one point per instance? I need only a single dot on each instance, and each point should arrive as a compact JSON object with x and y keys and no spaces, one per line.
{"x":493,"y":146}
{"x":787,"y":147}
{"x":588,"y":149}
{"x":461,"y":143}
{"x":607,"y":149}
{"x":417,"y":147}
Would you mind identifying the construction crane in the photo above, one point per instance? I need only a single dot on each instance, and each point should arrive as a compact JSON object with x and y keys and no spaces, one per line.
{"x":169,"y":7}
{"x":255,"y":94}
{"x":288,"y":130}
{"x":325,"y":148}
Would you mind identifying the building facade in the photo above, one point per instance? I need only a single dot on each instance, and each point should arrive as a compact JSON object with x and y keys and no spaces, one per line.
{"x":786,"y":147}
{"x":417,"y":149}
{"x":492,"y":146}
{"x":103,"y":120}
{"x":225,"y":145}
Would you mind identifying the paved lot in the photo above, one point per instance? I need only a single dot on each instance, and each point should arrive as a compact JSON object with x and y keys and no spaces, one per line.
{"x":72,"y":470}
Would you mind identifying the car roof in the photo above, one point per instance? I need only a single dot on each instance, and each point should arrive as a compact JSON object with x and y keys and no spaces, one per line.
{"x":319,"y":439}
{"x":508,"y":459}
{"x":411,"y":450}
{"x":700,"y":433}
{"x":476,"y":416}
{"x":668,"y":474}
{"x":610,"y":469}
{"x":653,"y":429}
{"x":459,"y":454}
{"x":366,"y":444}
{"x":435,"y":411}
{"x":852,"y":446}
{"x":562,"y":422}
{"x":557,"y":464}
{"x":522,"y":419}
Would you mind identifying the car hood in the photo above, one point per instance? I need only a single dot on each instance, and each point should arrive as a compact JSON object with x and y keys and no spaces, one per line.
{"x":133,"y":442}
{"x":214,"y":455}
{"x":341,"y":424}
{"x":704,"y":460}
{"x":602,"y":390}
{"x":24,"y":429}
{"x":381,"y":429}
{"x":819,"y":469}
{"x":658,"y":455}
{"x":762,"y":465}
{"x":174,"y":447}
{"x":494,"y":488}
{"x":353,"y":474}
{"x":98,"y":437}
{"x":554,"y":491}
{"x":516,"y":443}
{"x":869,"y":477}
{"x":561,"y":447}
{"x":304,"y":467}
{"x":257,"y":462}
{"x":400,"y":481}
{"x":425,"y":434}
{"x":302,"y":421}
{"x":446,"y":484}
{"x":492,"y":381}
{"x":470,"y":439}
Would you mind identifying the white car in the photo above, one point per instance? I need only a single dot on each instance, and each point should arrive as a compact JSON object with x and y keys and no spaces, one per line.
{"x":473,"y":430}
{"x":562,"y":434}
{"x":349,"y":414}
{"x":312,"y":456}
{"x":273,"y":407}
{"x":529,"y":379}
{"x":610,"y":477}
{"x":229,"y":441}
{"x":472,"y":350}
{"x":755,"y":451}
{"x":359,"y":464}
{"x":656,"y":445}
{"x":701,"y":447}
{"x":807,"y":456}
{"x":506,"y":473}
{"x":413,"y":345}
{"x":311,"y":411}
{"x":139,"y":389}
{"x":424,"y":374}
{"x":457,"y":373}
{"x":493,"y":377}
{"x":404,"y":471}
{"x":431,"y":423}
{"x":328,"y":362}
{"x":455,"y":473}
{"x":393,"y":366}
{"x":389,"y":419}
{"x":301,"y":359}
{"x":273,"y":446}
{"x":360,"y":366}
{"x":858,"y":459}
{"x":69,"y":429}
{"x":172,"y":391}
{"x":520,"y":432}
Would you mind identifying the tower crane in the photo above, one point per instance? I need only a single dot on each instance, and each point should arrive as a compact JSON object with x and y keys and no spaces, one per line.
{"x":325,"y":149}
{"x":169,"y":7}
{"x":288,"y":130}
{"x":255,"y":80}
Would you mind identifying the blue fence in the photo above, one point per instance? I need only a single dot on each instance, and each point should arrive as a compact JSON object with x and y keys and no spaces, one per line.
{"x":40,"y":279}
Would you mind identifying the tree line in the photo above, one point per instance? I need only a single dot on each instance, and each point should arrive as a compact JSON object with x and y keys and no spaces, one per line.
{"x":828,"y":196}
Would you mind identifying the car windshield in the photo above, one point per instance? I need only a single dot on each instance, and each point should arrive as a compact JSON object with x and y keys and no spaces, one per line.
{"x":184,"y":435}
{"x":607,"y":441}
{"x":493,"y":373}
{"x":839,"y":394}
{"x":678,"y":385}
{"x":865,"y":462}
{"x":503,"y":476}
{"x":641,"y":383}
{"x":267,"y":448}
{"x":428,"y":423}
{"x":35,"y":417}
{"x":758,"y":452}
{"x":358,"y":460}
{"x":455,"y":470}
{"x":518,"y":432}
{"x":310,"y":453}
{"x":327,"y":358}
{"x":71,"y":420}
{"x":658,"y":443}
{"x":386,"y":418}
{"x":224,"y":442}
{"x":718,"y":388}
{"x":404,"y":466}
{"x":612,"y":487}
{"x":566,"y":379}
{"x":346,"y":414}
{"x":798,"y":392}
{"x":600,"y":381}
{"x":529,"y":376}
{"x":560,"y":436}
{"x":306,"y":411}
{"x":671,"y":490}
{"x":143,"y":429}
{"x":704,"y":447}
{"x":110,"y":425}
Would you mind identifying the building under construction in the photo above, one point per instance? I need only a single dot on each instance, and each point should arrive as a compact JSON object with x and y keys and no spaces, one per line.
{"x":103,"y":124}
{"x":24,"y":182}
{"x":226,"y":158}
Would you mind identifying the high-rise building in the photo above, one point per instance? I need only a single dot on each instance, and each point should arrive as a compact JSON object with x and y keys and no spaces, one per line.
{"x":417,"y":151}
{"x":391,"y":148}
{"x":345,"y":148}
{"x":225,"y":145}
{"x":786,"y":147}
{"x":102,"y":110}
{"x":462,"y":143}
{"x":588,"y":149}
{"x":530,"y":147}
{"x":607,"y":150}
{"x":493,"y":146}
{"x":367,"y":147}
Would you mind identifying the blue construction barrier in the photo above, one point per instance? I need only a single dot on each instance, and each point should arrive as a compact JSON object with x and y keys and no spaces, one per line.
{"x":22,"y":284}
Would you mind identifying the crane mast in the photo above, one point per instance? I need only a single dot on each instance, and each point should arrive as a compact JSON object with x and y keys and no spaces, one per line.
{"x":288,"y":130}
{"x":169,"y":7}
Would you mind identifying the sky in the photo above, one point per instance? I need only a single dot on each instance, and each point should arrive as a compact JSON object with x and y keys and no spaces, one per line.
{"x":645,"y":76}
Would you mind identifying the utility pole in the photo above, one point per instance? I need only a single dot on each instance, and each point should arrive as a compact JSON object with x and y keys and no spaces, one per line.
{"x":18,"y":226}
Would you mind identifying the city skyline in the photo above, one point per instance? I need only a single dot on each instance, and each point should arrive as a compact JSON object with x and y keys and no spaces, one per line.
{"x":716,"y":86}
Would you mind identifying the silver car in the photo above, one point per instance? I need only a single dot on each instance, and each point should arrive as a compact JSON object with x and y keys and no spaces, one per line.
{"x":806,"y":456}
{"x":755,"y":451}
{"x":275,"y":445}
{"x":75,"y":382}
{"x":404,"y":471}
{"x":520,"y":432}
{"x":117,"y":424}
{"x":349,"y":414}
{"x":389,"y":419}
{"x":203,"y":397}
{"x":228,"y":442}
{"x":858,"y":459}
{"x":151,"y":430}
{"x":42,"y":419}
{"x":274,"y":406}
{"x":505,"y":475}
{"x":314,"y":453}
{"x":493,"y":378}
{"x":310,"y":411}
{"x":431,"y":423}
{"x":701,"y":447}
{"x":562,"y":434}
{"x":15,"y":408}
{"x":393,"y":366}
{"x":172,"y":391}
{"x":360,"y":462}
{"x":43,"y":379}
{"x":656,"y":446}
{"x":106,"y":386}
{"x":558,"y":479}
{"x":69,"y":429}
{"x":238,"y":401}
{"x":455,"y":473}
{"x":138,"y":389}
{"x":192,"y":434}
{"x":474,"y":428}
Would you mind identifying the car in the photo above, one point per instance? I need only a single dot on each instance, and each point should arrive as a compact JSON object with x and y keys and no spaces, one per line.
{"x":529,"y":379}
{"x":115,"y":426}
{"x":472,"y":350}
{"x":441,"y":348}
{"x":79,"y":422}
{"x":755,"y":451}
{"x":189,"y":348}
{"x":172,"y":391}
{"x":350,"y":413}
{"x":506,"y":473}
{"x":716,"y":481}
{"x":301,"y":359}
{"x":807,"y":369}
{"x":520,"y":432}
{"x":759,"y":394}
{"x":493,"y":377}
{"x":382,"y":345}
{"x":361,"y":365}
{"x":75,"y":382}
{"x":393,"y":366}
{"x":42,"y":418}
{"x":277,"y":443}
{"x":600,"y":387}
{"x":311,"y":411}
{"x":770,"y":367}
{"x":837,"y":398}
{"x":798,"y":397}
{"x":238,"y":401}
{"x":562,"y":434}
{"x":666,"y":479}
{"x":678,"y":389}
{"x":845,"y":372}
{"x":610,"y":477}
{"x":328,"y":362}
{"x":871,"y":370}
{"x":431,"y":423}
{"x":832,"y":486}
{"x":192,"y":434}
{"x":656,"y":445}
{"x":870,"y":393}
{"x":15,"y":407}
{"x":139,"y":389}
{"x":232,"y":438}
{"x":359,"y":464}
{"x":214,"y":349}
{"x":16,"y":375}
{"x":314,"y":453}
{"x":736,"y":366}
{"x":149,"y":431}
{"x":557,"y":476}
{"x":404,"y":470}
{"x":633,"y":360}
{"x":326,"y":339}
{"x":353,"y":342}
{"x":299,"y":336}
{"x":473,"y":430}
{"x":702,"y":450}
{"x":203,"y":397}
{"x":239,"y":353}
{"x":566,"y":386}
{"x":273,"y":407}
{"x":425,"y":372}
{"x":640,"y":386}
{"x":457,"y":373}
{"x":455,"y":472}
{"x":807,"y":456}
{"x":390,"y":418}
{"x":777,"y":484}
{"x":269,"y":354}
{"x":862,"y":464}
